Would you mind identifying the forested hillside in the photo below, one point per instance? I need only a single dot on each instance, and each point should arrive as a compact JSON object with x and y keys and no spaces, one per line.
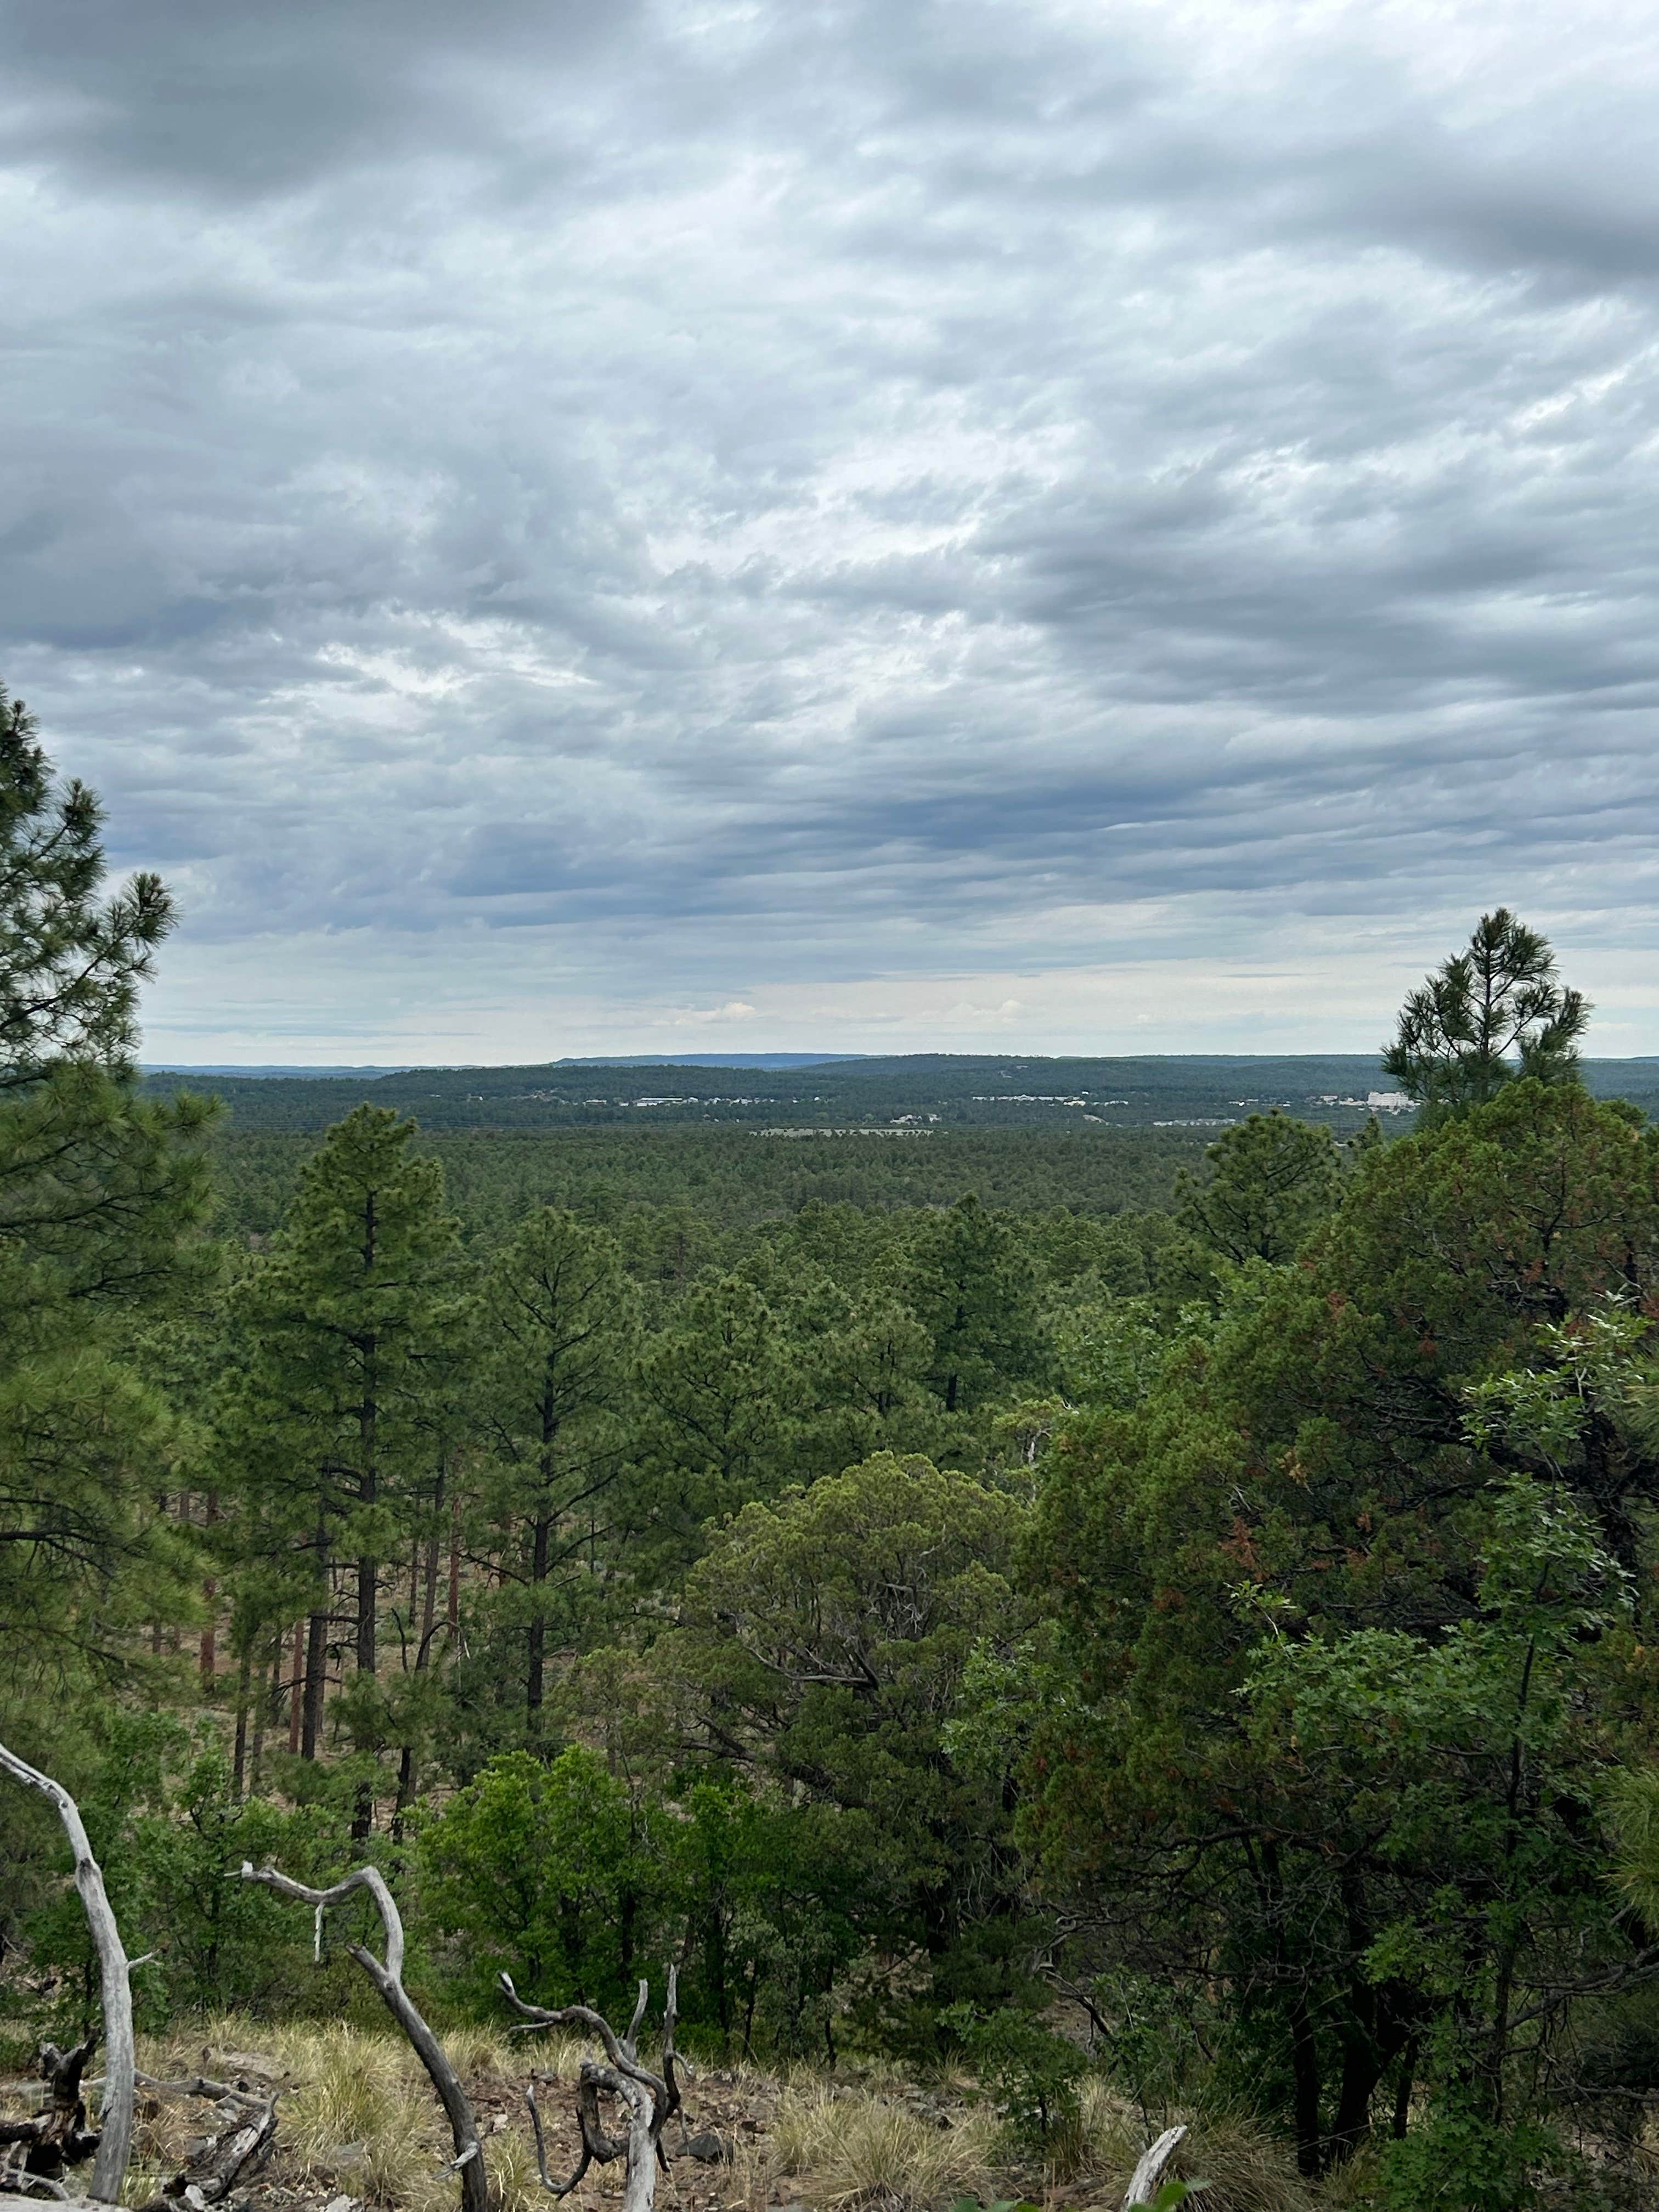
{"x":918,"y":1093}
{"x":914,"y":1095}
{"x":1163,"y":1617}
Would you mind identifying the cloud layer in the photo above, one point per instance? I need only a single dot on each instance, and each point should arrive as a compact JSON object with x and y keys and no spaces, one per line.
{"x":561,"y":528}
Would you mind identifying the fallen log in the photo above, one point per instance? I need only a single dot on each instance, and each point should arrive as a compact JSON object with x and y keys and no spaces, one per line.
{"x":1144,"y":2182}
{"x":233,"y":2154}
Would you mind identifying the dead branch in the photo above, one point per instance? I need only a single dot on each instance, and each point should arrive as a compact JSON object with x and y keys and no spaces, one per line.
{"x":387,"y":1977}
{"x":35,"y":2152}
{"x":233,"y":2154}
{"x":651,"y":2098}
{"x":1144,"y":2182}
{"x":596,"y":2144}
{"x":114,"y":2140}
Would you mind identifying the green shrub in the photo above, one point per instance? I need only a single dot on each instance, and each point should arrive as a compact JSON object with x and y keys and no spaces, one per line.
{"x":1456,"y":2162}
{"x":1033,"y":2073}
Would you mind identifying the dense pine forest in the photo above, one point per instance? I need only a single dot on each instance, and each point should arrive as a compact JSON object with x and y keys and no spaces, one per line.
{"x":1155,"y":1619}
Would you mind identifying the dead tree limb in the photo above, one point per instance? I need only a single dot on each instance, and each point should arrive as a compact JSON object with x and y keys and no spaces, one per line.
{"x":651,"y":2099}
{"x":233,"y":2155}
{"x":35,"y":2152}
{"x":1143,"y":2183}
{"x":387,"y":1977}
{"x":597,"y":2146}
{"x":115,"y":2117}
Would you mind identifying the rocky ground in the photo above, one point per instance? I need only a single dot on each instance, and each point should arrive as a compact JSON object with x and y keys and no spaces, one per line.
{"x":360,"y":2131}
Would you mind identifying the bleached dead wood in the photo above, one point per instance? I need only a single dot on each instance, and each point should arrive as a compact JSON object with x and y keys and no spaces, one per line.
{"x":387,"y":1977}
{"x":651,"y":2099}
{"x":1143,"y":2183}
{"x":236,"y":2151}
{"x":109,"y":2164}
{"x":56,"y":2135}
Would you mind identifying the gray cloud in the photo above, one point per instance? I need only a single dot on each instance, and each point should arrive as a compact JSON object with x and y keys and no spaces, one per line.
{"x":694,"y":503}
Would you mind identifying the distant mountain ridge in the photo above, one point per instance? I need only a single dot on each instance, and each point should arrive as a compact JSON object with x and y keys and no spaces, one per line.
{"x":255,"y":1071}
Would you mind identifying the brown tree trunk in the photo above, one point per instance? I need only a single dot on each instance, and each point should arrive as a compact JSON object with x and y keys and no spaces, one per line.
{"x":429,"y":1598}
{"x":369,"y":1592}
{"x":535,"y":1677}
{"x":368,"y":1416}
{"x":296,"y":1686}
{"x":1304,"y":2077}
{"x":266,"y":1707}
{"x":454,"y":1615}
{"x":311,"y":1725}
{"x":238,"y":1765}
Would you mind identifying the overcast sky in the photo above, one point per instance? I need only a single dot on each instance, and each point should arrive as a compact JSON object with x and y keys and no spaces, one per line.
{"x":562,"y":527}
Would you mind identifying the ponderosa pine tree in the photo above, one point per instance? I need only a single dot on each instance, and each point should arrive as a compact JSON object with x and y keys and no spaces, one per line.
{"x":342,"y":1332}
{"x":556,"y":1322}
{"x":718,"y":1387}
{"x":97,"y":1192}
{"x":969,"y":1279}
{"x":70,"y":961}
{"x":1270,"y":1181}
{"x":1487,"y":1015}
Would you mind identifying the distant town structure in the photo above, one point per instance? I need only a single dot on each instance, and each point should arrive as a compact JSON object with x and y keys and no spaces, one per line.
{"x":1374,"y":1102}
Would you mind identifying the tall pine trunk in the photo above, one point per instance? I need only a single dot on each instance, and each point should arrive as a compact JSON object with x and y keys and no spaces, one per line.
{"x":238,"y":1765}
{"x":368,"y":1491}
{"x":535,"y":1681}
{"x":429,"y":1600}
{"x":311,"y":1725}
{"x":296,"y":1686}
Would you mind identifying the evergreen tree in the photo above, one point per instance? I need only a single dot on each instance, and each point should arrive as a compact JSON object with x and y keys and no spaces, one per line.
{"x":70,"y":965}
{"x":556,"y":1323}
{"x":342,"y":1333}
{"x":1353,"y":1580}
{"x":971,"y":1283}
{"x":99,"y":1190}
{"x":1487,"y":1015}
{"x":823,"y":1644}
{"x":1272,"y":1181}
{"x":719,"y":1387}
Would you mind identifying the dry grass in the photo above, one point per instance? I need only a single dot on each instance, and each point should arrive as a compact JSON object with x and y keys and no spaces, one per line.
{"x":359,"y":2119}
{"x":514,"y":2183}
{"x":361,"y":2114}
{"x":485,"y":2054}
{"x":751,"y":2174}
{"x":861,"y":2148}
{"x":358,"y":2115}
{"x":555,"y":2056}
{"x":1246,"y":2168}
{"x":166,"y":2126}
{"x":163,"y":2128}
{"x":879,"y":2143}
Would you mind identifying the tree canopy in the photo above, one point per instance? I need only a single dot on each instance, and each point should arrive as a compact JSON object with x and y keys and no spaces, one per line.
{"x":1220,"y":1627}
